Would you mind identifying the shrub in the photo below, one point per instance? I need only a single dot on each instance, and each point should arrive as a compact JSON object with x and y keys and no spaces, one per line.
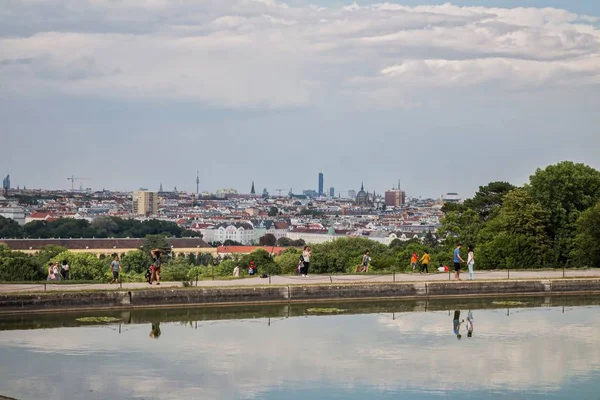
{"x":84,"y":266}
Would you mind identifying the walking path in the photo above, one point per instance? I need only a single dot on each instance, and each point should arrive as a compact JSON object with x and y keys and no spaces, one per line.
{"x":312,"y":279}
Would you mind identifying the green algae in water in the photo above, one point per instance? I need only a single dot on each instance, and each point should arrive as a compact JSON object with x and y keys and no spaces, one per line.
{"x":508,"y":303}
{"x":98,"y":319}
{"x":325,"y":310}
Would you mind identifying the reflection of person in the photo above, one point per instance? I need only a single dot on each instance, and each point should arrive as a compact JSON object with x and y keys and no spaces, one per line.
{"x":471,"y":263}
{"x":457,"y":260}
{"x":155,"y":268}
{"x":155,"y":332}
{"x":470,"y":324}
{"x":457,"y":323}
{"x":425,"y":262}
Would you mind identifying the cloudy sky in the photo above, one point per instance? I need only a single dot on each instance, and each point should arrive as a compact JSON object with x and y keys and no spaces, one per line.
{"x":445,"y":97}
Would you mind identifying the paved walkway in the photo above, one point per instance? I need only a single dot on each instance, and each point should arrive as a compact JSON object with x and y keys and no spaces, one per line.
{"x":312,"y":279}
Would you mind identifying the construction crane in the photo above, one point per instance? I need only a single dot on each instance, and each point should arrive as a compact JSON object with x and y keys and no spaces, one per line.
{"x":73,"y":179}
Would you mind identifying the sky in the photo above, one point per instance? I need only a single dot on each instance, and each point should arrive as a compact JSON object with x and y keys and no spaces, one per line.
{"x":444,"y":97}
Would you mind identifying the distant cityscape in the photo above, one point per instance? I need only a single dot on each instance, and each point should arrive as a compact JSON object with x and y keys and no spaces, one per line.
{"x":314,"y":215}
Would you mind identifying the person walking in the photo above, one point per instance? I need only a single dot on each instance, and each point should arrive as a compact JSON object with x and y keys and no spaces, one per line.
{"x":56,"y":272}
{"x":50,"y":273}
{"x":365,"y":262}
{"x":115,"y":266}
{"x":471,"y":263}
{"x":413,"y":261}
{"x":156,"y":263}
{"x":425,"y":262}
{"x":65,"y":270}
{"x":306,"y":254}
{"x":457,"y":260}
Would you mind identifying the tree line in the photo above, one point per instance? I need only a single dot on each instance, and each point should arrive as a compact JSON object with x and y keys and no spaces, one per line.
{"x":552,"y":221}
{"x":102,"y":227}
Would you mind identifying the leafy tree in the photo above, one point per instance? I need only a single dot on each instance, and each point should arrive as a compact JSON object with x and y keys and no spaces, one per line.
{"x":262,"y":259}
{"x":152,"y":242}
{"x":565,"y":190}
{"x":284,"y":242}
{"x":273,"y":211}
{"x":516,"y":236}
{"x":396,"y":243}
{"x":17,"y":266}
{"x":587,"y":250}
{"x":461,"y":226}
{"x":268,"y":240}
{"x":84,"y":266}
{"x":287,"y":261}
{"x":230,"y":242}
{"x":10,"y":229}
{"x":488,"y":198}
{"x":46,"y":253}
{"x":429,"y":240}
{"x":136,"y":261}
{"x":299,"y":243}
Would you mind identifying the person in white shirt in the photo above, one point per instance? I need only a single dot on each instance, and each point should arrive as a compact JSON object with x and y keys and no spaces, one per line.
{"x":306,"y":254}
{"x":236,"y":271}
{"x":471,"y":263}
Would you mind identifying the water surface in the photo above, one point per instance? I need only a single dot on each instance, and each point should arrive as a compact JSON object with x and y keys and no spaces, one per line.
{"x":537,"y":348}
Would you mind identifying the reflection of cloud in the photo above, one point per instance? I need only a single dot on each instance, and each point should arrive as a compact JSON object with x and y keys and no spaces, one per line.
{"x":530,"y":349}
{"x":252,"y":54}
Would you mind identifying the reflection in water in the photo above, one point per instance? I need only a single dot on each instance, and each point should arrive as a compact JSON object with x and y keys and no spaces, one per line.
{"x":155,"y":331}
{"x":533,"y":353}
{"x":470,"y":321}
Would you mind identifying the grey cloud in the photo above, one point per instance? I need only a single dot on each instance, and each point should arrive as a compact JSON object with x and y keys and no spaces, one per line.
{"x":17,"y":61}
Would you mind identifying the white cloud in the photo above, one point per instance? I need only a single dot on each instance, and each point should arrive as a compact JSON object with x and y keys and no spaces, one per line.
{"x":266,"y":54}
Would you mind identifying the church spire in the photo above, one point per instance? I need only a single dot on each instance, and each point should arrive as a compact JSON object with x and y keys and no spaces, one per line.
{"x":252,"y":191}
{"x":362,"y":187}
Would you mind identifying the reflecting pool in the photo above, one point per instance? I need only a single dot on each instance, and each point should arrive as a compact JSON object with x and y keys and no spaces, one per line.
{"x":518,"y":348}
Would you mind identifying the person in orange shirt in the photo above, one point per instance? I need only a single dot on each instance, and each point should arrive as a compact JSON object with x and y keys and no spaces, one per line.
{"x":425,"y":262}
{"x":413,"y":261}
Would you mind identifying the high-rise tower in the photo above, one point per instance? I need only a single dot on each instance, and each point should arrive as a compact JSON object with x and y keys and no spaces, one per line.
{"x":321,"y":184}
{"x":197,"y":182}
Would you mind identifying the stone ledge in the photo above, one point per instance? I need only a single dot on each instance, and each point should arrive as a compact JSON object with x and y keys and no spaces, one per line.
{"x":171,"y":297}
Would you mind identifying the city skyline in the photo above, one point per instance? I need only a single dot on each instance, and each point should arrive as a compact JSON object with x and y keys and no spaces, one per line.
{"x":447,"y":96}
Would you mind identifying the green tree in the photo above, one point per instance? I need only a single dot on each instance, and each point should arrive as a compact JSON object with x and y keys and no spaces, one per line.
{"x":16,"y":266}
{"x":262,"y":259}
{"x":461,"y":227}
{"x":267,"y":240}
{"x":10,"y":229}
{"x":516,"y":237}
{"x":84,"y":266}
{"x":48,"y":252}
{"x":284,"y":242}
{"x":136,"y":261}
{"x":587,"y":249}
{"x":488,"y":198}
{"x":273,"y":211}
{"x":152,"y":242}
{"x":287,"y":261}
{"x":565,"y":190}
